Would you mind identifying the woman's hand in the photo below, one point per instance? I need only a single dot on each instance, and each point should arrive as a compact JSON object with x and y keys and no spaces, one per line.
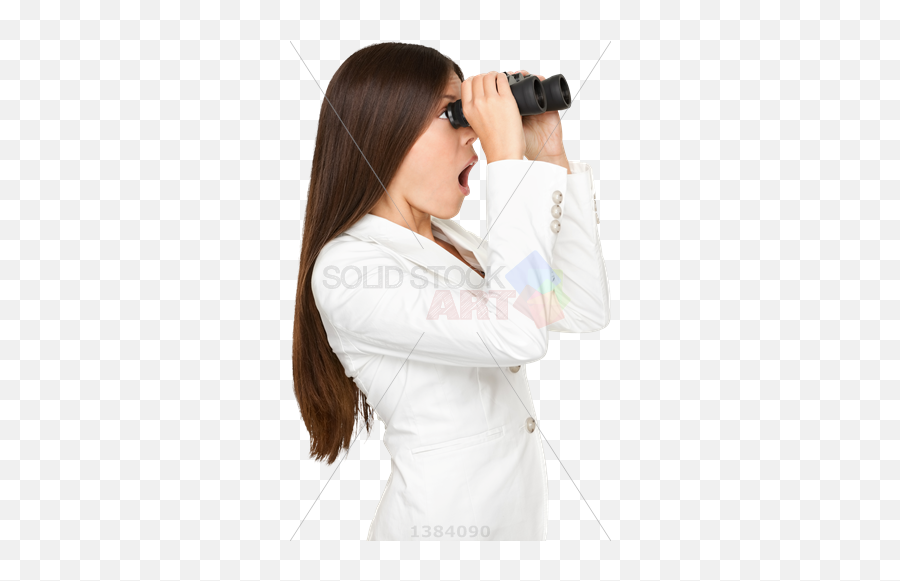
{"x":491,"y":110}
{"x":543,"y":135}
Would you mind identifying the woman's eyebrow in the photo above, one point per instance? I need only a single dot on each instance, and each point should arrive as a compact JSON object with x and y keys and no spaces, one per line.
{"x":451,"y":97}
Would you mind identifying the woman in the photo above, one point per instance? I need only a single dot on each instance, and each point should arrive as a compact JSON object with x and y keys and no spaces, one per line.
{"x":402,"y":310}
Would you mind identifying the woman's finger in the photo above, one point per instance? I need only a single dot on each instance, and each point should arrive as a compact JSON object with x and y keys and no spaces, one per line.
{"x":477,"y":88}
{"x":503,"y":86}
{"x":490,"y":84}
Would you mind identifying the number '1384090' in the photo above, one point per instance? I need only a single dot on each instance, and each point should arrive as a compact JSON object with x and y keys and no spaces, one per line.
{"x":451,"y":531}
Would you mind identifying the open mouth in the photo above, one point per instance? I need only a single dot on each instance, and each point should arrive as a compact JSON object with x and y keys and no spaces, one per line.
{"x":463,"y":177}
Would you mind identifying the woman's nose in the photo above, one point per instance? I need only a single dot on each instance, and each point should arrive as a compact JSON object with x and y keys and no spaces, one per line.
{"x":469,"y":136}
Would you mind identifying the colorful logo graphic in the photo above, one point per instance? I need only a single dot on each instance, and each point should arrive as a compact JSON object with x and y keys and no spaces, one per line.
{"x":539,"y":287}
{"x":538,"y":294}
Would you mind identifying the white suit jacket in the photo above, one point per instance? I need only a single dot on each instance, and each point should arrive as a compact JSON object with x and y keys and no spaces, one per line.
{"x":442,"y":359}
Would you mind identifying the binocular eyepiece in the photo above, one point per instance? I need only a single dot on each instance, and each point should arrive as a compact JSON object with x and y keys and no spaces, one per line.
{"x":533,"y":97}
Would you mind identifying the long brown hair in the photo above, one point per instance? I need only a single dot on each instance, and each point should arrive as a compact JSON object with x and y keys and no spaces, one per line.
{"x":384,"y":95}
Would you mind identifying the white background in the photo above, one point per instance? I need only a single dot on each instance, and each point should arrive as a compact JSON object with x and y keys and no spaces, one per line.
{"x":738,"y":419}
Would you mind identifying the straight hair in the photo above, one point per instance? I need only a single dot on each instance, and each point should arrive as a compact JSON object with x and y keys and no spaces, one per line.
{"x":384,"y":96}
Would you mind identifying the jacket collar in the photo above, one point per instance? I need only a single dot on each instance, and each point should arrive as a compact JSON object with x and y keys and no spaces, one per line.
{"x":421,"y":250}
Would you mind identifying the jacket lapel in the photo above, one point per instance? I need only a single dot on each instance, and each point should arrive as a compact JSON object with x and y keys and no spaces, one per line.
{"x":466,"y":242}
{"x":423,"y":251}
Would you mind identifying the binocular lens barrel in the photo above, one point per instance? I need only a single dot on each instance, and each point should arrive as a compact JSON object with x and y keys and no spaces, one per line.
{"x":532,"y":95}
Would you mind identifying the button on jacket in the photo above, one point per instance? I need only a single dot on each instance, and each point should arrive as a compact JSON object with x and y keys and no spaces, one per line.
{"x":440,"y":352}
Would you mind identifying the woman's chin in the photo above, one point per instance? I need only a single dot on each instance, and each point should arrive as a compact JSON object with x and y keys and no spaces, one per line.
{"x":446,"y":215}
{"x":450,"y":207}
{"x":448,"y":210}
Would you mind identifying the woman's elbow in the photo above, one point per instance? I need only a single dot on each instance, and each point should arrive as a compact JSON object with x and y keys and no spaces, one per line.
{"x":537,"y":346}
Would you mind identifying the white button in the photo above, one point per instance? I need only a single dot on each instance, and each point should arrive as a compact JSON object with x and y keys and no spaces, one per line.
{"x":515,"y":369}
{"x":557,"y":197}
{"x":529,"y":424}
{"x":556,"y":211}
{"x":554,"y":225}
{"x":598,"y":219}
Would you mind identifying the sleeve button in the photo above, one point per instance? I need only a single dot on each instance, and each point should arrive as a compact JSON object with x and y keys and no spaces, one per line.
{"x":557,"y":197}
{"x":556,"y":211}
{"x":554,"y":225}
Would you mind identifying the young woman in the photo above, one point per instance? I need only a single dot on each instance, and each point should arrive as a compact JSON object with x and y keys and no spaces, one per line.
{"x":402,"y":310}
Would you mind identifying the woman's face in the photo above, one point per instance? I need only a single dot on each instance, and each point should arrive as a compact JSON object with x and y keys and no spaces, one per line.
{"x":428,"y":180}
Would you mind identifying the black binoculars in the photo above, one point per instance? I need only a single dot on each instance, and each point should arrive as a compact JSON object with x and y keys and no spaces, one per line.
{"x":533,"y":97}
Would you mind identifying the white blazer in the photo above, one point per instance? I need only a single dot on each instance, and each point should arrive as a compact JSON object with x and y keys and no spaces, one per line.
{"x":440,"y":352}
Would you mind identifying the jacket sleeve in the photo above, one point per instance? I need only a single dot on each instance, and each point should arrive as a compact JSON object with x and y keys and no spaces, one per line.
{"x":583,"y":292}
{"x":504,"y":324}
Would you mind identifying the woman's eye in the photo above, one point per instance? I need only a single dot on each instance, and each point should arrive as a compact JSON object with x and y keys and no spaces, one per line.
{"x":442,"y":114}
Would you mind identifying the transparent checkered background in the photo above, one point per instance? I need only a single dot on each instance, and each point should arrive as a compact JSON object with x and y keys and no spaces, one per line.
{"x":736,"y":420}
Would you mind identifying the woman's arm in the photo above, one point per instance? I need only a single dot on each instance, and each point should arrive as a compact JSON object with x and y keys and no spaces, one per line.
{"x":578,"y":258}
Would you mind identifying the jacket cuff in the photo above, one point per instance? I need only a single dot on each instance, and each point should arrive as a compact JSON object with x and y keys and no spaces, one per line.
{"x":581,"y":178}
{"x":577,"y":167}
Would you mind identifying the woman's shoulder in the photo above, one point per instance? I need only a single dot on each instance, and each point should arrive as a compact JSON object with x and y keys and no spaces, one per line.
{"x":345,"y":250}
{"x":343,"y":260}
